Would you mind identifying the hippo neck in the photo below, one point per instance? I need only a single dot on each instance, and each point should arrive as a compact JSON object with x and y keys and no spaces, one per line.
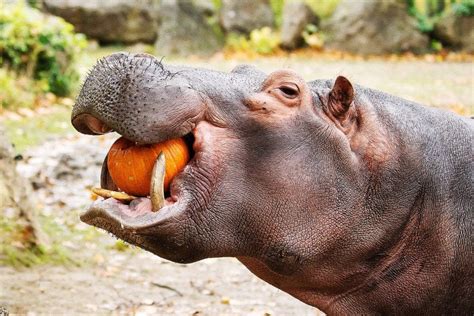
{"x":392,"y":268}
{"x":427,"y":140}
{"x":409,"y":215}
{"x":419,"y":256}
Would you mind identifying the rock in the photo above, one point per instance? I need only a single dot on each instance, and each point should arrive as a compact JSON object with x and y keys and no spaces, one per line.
{"x":17,"y":203}
{"x":123,"y":21}
{"x":374,"y":27}
{"x":456,"y":31}
{"x":296,"y":15}
{"x":243,"y":16}
{"x":205,"y":7}
{"x":184,"y":31}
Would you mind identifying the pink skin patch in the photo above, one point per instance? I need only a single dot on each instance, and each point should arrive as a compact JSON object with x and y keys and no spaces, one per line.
{"x":137,"y":207}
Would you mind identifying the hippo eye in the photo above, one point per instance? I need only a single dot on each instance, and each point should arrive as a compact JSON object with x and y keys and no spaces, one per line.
{"x":289,"y":90}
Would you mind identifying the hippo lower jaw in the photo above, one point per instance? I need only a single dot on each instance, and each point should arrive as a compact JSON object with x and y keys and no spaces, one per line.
{"x":188,"y":194}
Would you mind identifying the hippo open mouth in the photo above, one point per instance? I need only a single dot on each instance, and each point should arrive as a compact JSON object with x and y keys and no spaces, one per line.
{"x":160,"y":194}
{"x":136,"y":97}
{"x":160,"y":204}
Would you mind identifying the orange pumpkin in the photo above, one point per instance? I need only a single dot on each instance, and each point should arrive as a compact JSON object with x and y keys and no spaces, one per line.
{"x":130,"y":165}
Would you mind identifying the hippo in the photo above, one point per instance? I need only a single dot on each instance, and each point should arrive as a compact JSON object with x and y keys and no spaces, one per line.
{"x":349,"y":199}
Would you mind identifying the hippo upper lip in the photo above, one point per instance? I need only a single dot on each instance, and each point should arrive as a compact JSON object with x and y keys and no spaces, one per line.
{"x":139,"y":98}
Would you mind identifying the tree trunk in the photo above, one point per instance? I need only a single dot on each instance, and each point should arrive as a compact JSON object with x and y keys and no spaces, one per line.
{"x":17,"y":205}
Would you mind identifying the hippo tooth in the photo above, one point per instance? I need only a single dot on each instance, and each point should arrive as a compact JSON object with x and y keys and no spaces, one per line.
{"x":157,"y":195}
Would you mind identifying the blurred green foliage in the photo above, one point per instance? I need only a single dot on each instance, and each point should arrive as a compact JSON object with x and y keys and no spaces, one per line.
{"x":11,"y":253}
{"x":40,"y":47}
{"x":217,"y":4}
{"x":261,"y":41}
{"x":323,"y":8}
{"x":120,"y":246}
{"x":465,"y":8}
{"x":428,"y":12}
{"x":436,"y":45}
{"x":277,"y":8}
{"x":313,"y":37}
{"x":264,"y":40}
{"x":17,"y":91}
{"x":26,"y":132}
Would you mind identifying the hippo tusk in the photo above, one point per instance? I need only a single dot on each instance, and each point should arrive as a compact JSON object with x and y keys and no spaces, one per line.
{"x":157,"y":195}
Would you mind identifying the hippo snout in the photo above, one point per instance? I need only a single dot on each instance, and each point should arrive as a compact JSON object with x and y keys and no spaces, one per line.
{"x":139,"y":98}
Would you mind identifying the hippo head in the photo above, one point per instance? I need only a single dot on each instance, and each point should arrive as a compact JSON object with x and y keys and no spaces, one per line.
{"x":274,"y":178}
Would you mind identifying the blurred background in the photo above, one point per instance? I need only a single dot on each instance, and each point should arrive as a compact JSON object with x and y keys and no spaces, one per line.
{"x":51,"y":263}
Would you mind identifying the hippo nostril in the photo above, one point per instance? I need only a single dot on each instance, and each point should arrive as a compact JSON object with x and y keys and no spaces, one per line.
{"x":88,"y":124}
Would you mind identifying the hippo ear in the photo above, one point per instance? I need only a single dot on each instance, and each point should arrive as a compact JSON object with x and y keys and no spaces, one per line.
{"x":340,"y":98}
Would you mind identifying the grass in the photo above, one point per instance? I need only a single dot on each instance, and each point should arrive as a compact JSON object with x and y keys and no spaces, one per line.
{"x":13,"y":254}
{"x":18,"y":257}
{"x":25,"y":132}
{"x":65,"y":238}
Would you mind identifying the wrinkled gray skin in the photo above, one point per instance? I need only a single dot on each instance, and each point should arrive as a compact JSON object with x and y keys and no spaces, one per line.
{"x":347,"y":198}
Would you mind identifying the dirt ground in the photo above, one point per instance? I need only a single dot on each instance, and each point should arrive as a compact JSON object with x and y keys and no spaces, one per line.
{"x":142,"y":284}
{"x":109,"y":278}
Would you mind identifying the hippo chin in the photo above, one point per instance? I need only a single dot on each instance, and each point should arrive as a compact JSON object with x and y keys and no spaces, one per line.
{"x":349,"y":199}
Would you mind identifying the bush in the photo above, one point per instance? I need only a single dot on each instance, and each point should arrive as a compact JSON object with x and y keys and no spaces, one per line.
{"x":40,"y":47}
{"x":264,"y":40}
{"x":464,"y":8}
{"x":15,"y":91}
{"x":313,"y":37}
{"x":429,"y":12}
{"x":277,"y":8}
{"x":261,"y":41}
